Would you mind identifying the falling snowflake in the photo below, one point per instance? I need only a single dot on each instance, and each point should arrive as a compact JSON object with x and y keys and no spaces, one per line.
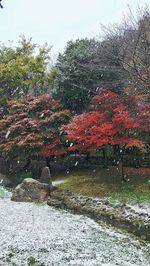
{"x":7,"y":134}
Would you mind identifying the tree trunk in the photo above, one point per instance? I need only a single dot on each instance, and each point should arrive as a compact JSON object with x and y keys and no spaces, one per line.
{"x":119,"y":159}
{"x":48,"y":162}
{"x":120,"y":166}
{"x":27,"y":164}
{"x":105,"y":164}
{"x":87,"y":157}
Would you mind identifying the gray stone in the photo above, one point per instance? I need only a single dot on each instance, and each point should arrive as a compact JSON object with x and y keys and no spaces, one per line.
{"x":55,"y":202}
{"x":30,"y":190}
{"x":46,"y":176}
{"x":4,"y":181}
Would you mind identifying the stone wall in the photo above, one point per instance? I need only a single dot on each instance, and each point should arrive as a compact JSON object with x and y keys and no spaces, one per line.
{"x":119,"y":215}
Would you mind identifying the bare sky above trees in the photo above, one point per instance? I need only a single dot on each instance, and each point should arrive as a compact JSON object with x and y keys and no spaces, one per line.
{"x":59,"y":21}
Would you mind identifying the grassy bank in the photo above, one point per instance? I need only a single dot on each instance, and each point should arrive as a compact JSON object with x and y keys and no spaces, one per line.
{"x":102,"y":183}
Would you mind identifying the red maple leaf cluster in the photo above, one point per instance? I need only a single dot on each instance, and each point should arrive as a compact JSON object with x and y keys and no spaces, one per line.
{"x":32,"y":125}
{"x":36,"y":124}
{"x":112,"y":122}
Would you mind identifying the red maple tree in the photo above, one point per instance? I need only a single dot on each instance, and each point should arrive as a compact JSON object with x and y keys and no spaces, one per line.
{"x":110,"y":123}
{"x":32,"y":125}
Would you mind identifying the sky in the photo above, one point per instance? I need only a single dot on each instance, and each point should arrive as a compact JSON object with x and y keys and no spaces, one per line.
{"x":59,"y":21}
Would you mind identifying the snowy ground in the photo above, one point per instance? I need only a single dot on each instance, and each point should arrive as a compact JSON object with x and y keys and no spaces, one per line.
{"x":58,"y":238}
{"x":141,"y":208}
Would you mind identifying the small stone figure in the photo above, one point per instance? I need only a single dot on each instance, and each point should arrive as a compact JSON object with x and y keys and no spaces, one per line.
{"x":46,"y":177}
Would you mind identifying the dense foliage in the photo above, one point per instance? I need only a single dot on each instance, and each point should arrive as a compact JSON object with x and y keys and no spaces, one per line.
{"x":32,"y":125}
{"x":75,"y":83}
{"x":23,"y":71}
{"x":118,"y":61}
{"x":112,"y":123}
{"x":32,"y":121}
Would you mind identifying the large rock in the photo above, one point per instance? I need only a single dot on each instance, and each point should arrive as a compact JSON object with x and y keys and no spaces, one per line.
{"x":31,"y":190}
{"x":4,"y":181}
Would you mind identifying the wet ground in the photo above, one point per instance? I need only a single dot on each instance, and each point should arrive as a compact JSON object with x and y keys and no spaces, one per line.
{"x":38,"y":235}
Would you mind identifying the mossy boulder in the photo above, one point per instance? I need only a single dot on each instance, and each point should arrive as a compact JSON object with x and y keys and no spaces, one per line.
{"x":30,"y":190}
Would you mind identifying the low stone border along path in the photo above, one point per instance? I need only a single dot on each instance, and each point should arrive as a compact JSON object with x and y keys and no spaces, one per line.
{"x":134,"y":219}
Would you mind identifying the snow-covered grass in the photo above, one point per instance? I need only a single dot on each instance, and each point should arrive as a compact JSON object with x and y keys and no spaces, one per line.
{"x":4,"y":193}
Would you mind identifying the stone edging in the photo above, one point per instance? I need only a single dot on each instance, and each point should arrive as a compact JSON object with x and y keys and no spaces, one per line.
{"x":119,"y":215}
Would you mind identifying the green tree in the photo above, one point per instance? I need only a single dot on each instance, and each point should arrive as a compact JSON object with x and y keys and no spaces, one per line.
{"x":84,"y":67}
{"x":24,"y":69}
{"x":75,"y":83}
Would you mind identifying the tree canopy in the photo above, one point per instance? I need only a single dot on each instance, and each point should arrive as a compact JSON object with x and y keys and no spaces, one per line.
{"x":75,"y":83}
{"x":132,"y":42}
{"x":31,"y":126}
{"x":119,"y":60}
{"x":112,"y":123}
{"x":30,"y":118}
{"x":24,"y":69}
